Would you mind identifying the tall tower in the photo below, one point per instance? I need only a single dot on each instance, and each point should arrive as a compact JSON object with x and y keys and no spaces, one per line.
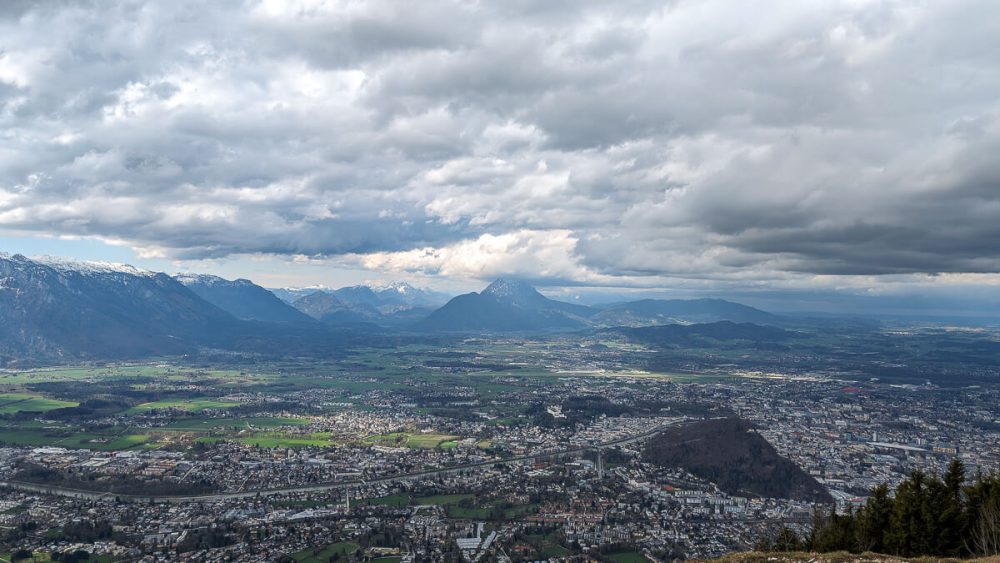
{"x":600,"y":464}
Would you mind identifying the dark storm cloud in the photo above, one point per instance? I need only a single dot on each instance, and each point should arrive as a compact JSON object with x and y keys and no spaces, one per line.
{"x":576,"y":141}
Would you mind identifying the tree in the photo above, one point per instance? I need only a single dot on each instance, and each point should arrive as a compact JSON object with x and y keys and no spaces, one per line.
{"x":873,"y":521}
{"x":837,"y":533}
{"x":907,"y":525}
{"x":983,"y":516}
{"x":787,"y":540}
{"x":948,"y":511}
{"x":986,"y":531}
{"x":929,"y":516}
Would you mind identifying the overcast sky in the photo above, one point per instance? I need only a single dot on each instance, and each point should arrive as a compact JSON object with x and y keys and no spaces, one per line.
{"x":685,"y":144}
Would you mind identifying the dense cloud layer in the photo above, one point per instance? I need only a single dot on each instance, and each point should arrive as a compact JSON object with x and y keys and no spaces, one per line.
{"x":580,"y":141}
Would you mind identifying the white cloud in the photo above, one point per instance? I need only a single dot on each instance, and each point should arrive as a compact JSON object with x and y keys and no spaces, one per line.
{"x":524,"y":253}
{"x":582,"y":141}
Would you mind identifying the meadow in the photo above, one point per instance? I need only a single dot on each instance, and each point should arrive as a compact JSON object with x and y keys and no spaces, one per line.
{"x":284,"y":440}
{"x":22,"y":402}
{"x":191,"y":405}
{"x":413,"y":440}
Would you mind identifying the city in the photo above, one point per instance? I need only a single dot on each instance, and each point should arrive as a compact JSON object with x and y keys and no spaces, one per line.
{"x":380,"y":466}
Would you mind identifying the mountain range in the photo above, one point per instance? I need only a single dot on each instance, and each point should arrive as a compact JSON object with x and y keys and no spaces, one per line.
{"x":394,"y":304}
{"x":506,"y":305}
{"x":647,"y":312}
{"x":242,"y":298}
{"x":511,"y":305}
{"x":56,"y":309}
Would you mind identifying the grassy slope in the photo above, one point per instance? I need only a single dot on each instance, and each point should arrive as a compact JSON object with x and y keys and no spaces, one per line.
{"x":836,"y":557}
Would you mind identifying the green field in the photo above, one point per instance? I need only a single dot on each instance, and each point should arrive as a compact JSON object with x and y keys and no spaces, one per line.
{"x":191,"y":405}
{"x":90,"y":373}
{"x":324,"y":555}
{"x":110,"y":443}
{"x":441,"y":499}
{"x":413,"y":440}
{"x":282,"y":440}
{"x":23,"y":402}
{"x":70,"y":439}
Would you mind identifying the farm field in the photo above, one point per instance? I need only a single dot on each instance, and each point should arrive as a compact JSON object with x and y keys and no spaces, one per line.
{"x":324,"y":555}
{"x":191,"y":405}
{"x":70,"y":439}
{"x":282,"y":440}
{"x":442,"y":499}
{"x":265,"y":432}
{"x":413,"y":440}
{"x":22,"y":402}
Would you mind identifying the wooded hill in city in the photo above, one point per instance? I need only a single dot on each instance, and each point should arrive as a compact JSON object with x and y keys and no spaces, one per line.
{"x":731,"y":454}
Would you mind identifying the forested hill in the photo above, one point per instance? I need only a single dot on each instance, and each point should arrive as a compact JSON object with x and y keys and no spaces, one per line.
{"x":729,"y":453}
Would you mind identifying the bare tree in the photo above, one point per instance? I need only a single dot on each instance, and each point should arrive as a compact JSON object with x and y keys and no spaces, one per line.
{"x":986,"y":530}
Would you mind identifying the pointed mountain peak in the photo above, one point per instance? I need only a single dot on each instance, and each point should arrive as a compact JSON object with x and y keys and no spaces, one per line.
{"x":504,"y":288}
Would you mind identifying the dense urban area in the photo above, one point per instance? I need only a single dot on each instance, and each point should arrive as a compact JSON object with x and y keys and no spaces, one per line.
{"x":486,"y":450}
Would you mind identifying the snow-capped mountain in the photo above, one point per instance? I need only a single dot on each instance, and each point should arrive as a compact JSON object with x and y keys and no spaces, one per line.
{"x":291,"y":294}
{"x":60,"y":308}
{"x":384,"y":303}
{"x":402,"y":293}
{"x":382,"y":295}
{"x":87,"y":268}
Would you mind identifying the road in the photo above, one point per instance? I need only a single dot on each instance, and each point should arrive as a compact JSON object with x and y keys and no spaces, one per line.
{"x":320,"y":487}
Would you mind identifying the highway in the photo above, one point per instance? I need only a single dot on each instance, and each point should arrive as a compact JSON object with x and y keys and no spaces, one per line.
{"x":320,"y":487}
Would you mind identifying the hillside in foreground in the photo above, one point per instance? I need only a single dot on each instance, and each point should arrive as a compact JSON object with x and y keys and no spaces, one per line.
{"x":835,"y":557}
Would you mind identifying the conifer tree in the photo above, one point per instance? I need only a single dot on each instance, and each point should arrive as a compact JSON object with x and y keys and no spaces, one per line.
{"x":873,"y":521}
